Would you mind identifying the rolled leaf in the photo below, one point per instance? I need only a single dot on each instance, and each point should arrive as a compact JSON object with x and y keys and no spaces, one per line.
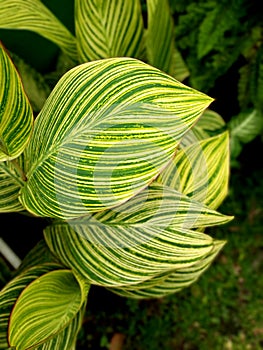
{"x":108,"y":28}
{"x":171,"y":282}
{"x":149,"y":235}
{"x":44,"y":308}
{"x":33,"y":15}
{"x":201,"y":171}
{"x":16,"y":116}
{"x":105,"y":132}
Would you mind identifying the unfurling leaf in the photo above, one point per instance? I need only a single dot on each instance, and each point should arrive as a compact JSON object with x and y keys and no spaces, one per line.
{"x":105,"y":132}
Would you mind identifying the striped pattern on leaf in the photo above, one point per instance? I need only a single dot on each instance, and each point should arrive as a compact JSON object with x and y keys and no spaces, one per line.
{"x":148,"y":235}
{"x":171,"y":282}
{"x":201,"y":170}
{"x":159,"y":35}
{"x":33,"y":15}
{"x":105,"y":132}
{"x":52,"y":301}
{"x":108,"y":28}
{"x":16,"y":116}
{"x":10,"y":185}
{"x":11,"y":292}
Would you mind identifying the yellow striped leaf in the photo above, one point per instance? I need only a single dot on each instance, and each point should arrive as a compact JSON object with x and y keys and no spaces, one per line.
{"x":11,"y":292}
{"x":148,"y":235}
{"x":170,"y":282}
{"x":16,"y":116}
{"x":44,"y":308}
{"x":108,"y":28}
{"x":10,"y":186}
{"x":159,"y":35}
{"x":105,"y":132}
{"x":33,"y":15}
{"x":201,"y":170}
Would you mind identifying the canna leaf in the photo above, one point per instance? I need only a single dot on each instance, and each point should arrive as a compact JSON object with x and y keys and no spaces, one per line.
{"x":10,"y":293}
{"x":159,"y":37}
{"x":148,"y":235}
{"x":201,"y":170}
{"x":16,"y":116}
{"x":108,"y":28}
{"x":33,"y":15}
{"x":10,"y":186}
{"x":52,"y":301}
{"x":178,"y":66}
{"x":170,"y":282}
{"x":105,"y":132}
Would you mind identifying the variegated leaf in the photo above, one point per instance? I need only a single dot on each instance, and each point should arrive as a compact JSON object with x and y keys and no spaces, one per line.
{"x":53,"y":301}
{"x":33,"y":15}
{"x":105,"y":132}
{"x":201,"y":170}
{"x":16,"y":116}
{"x":159,"y":36}
{"x":148,"y":235}
{"x":108,"y":28}
{"x":170,"y":282}
{"x":10,"y":293}
{"x":10,"y":185}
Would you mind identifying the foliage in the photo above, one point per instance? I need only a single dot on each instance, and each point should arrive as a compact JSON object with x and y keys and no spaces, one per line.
{"x":116,"y":158}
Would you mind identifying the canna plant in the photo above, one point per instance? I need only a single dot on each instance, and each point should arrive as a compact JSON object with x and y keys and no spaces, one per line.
{"x":126,"y":163}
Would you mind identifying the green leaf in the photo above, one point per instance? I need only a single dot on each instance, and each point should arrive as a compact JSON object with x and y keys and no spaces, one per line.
{"x":148,"y":235}
{"x":33,"y":15}
{"x":243,"y":129}
{"x":44,"y":308}
{"x":201,"y":170}
{"x":108,"y":28}
{"x":16,"y":117}
{"x":171,"y":282}
{"x":10,"y":293}
{"x":159,"y":36}
{"x":105,"y":132}
{"x":10,"y":185}
{"x":213,"y":27}
{"x":178,"y":68}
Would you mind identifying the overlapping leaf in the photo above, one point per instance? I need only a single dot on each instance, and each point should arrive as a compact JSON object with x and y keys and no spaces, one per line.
{"x":170,"y":282}
{"x":201,"y":170}
{"x":53,"y":301}
{"x":105,"y":132}
{"x":16,"y":117}
{"x":35,"y":16}
{"x":149,"y":235}
{"x":108,"y":28}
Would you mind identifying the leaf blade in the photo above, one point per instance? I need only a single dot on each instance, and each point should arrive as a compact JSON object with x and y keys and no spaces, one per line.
{"x":49,"y":302}
{"x":16,"y":116}
{"x":108,"y":28}
{"x":84,"y":158}
{"x":35,"y":16}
